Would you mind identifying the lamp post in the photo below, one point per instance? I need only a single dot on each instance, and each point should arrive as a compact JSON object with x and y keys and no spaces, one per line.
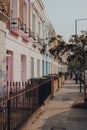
{"x":76,"y":27}
{"x":83,"y":39}
{"x":76,"y":24}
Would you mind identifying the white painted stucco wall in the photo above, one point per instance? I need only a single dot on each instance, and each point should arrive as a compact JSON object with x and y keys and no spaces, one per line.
{"x":18,"y":47}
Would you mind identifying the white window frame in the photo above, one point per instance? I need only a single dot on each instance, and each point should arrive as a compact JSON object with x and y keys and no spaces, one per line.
{"x":14,"y":10}
{"x":25,"y":12}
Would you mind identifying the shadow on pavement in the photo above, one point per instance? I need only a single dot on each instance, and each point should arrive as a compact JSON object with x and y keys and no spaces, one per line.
{"x":69,"y":96}
{"x":73,"y":119}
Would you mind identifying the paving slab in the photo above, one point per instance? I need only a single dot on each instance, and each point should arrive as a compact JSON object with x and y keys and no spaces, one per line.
{"x":59,"y":114}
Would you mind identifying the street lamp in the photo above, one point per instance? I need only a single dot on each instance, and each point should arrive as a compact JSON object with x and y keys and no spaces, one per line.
{"x":83,"y":39}
{"x":77,"y":41}
{"x":76,"y":24}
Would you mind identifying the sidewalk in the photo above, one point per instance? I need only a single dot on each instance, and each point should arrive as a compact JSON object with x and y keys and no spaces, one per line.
{"x":58,"y":114}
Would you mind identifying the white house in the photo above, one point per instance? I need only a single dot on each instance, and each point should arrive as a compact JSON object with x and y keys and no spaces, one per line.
{"x":24,"y":27}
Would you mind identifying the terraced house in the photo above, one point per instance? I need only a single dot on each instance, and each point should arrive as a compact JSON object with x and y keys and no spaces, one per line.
{"x":24,"y":28}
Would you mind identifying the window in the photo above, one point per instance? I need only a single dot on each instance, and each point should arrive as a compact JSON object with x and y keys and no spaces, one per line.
{"x":38,"y":68}
{"x":51,"y":67}
{"x":23,"y":68}
{"x":14,"y":13}
{"x":39,"y":33}
{"x":46,"y":68}
{"x":25,"y":13}
{"x":34,"y":24}
{"x":14,"y":8}
{"x":32,"y":67}
{"x":42,"y":67}
{"x":9,"y":65}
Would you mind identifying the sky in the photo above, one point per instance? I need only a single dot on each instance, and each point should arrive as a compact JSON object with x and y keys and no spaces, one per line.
{"x":63,"y":13}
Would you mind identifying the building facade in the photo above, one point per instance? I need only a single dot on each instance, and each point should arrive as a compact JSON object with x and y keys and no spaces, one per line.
{"x":24,"y":28}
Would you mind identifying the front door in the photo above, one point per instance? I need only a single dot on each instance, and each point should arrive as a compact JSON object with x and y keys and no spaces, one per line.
{"x":9,"y":66}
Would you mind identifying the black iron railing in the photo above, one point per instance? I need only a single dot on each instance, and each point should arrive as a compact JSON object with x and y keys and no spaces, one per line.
{"x":16,"y":23}
{"x":29,"y":32}
{"x":23,"y":100}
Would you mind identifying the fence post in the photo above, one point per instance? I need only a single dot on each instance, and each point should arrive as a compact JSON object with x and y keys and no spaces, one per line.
{"x":8,"y":114}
